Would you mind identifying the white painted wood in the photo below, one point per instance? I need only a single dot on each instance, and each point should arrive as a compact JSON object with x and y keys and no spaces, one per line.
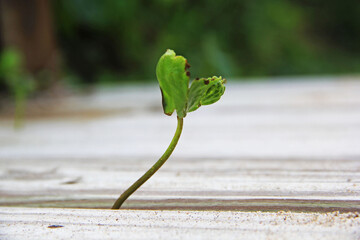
{"x":266,"y":146}
{"x":97,"y":183}
{"x":33,"y":223}
{"x":312,"y":119}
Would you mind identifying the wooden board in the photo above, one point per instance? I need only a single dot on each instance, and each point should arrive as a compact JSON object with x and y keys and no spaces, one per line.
{"x":266,"y":146}
{"x":35,"y":223}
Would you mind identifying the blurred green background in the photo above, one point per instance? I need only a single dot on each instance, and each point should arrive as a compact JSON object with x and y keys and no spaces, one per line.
{"x":121,"y":41}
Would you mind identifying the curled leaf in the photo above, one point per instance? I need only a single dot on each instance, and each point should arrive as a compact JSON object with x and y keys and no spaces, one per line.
{"x":173,"y":77}
{"x":205,"y":91}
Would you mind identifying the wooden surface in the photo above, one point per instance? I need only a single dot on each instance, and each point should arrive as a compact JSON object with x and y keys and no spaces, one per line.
{"x":292,"y":147}
{"x":47,"y":223}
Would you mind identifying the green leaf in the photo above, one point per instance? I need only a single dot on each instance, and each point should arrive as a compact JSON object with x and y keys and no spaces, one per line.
{"x":173,"y":77}
{"x":205,"y":91}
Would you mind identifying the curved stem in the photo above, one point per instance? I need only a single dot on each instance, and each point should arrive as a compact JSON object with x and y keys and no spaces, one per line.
{"x":153,"y":169}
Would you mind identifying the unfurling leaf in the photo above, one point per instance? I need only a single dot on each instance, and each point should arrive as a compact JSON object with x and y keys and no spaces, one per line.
{"x":205,"y":91}
{"x":173,"y":78}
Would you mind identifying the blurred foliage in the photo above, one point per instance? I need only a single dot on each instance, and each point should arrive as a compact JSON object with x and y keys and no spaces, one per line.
{"x":105,"y":41}
{"x":15,"y":78}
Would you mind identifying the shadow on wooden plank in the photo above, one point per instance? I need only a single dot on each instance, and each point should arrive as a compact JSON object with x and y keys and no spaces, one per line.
{"x":267,"y":205}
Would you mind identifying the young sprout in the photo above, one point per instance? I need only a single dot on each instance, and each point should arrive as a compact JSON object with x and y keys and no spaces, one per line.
{"x":173,"y":76}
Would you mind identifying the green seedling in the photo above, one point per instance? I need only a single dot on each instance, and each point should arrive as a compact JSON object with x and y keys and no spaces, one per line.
{"x":173,"y":76}
{"x":19,"y":83}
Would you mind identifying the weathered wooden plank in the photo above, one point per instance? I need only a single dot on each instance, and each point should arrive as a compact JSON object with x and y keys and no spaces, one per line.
{"x":35,"y":223}
{"x":302,"y":185}
{"x":313,"y":119}
{"x":264,"y":147}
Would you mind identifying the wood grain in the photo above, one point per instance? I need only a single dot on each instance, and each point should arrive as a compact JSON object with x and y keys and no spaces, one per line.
{"x":265,"y":148}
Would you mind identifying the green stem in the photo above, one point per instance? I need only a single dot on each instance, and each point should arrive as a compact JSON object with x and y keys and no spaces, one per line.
{"x":153,"y":169}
